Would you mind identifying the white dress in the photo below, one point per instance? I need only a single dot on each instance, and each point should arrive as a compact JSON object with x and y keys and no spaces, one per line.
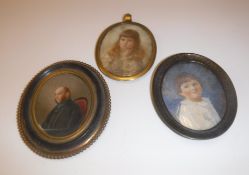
{"x":123,"y":66}
{"x":197,"y":115}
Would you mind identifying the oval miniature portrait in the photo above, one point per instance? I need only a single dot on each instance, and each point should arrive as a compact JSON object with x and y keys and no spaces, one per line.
{"x":63,"y":109}
{"x":194,"y":96}
{"x":63,"y":103}
{"x":126,"y":50}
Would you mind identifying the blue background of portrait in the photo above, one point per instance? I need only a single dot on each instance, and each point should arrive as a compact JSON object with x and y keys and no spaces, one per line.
{"x":212,"y":88}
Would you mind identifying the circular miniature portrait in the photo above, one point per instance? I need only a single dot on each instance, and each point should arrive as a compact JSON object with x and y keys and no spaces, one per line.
{"x":194,"y":96}
{"x":63,"y":109}
{"x":126,"y":50}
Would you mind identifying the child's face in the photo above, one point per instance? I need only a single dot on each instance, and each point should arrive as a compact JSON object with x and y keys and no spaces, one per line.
{"x":191,"y":90}
{"x":126,"y":43}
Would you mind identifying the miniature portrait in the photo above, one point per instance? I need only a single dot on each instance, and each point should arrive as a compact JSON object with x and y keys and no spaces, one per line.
{"x":62,"y":104}
{"x":126,"y":50}
{"x":63,"y":109}
{"x":194,"y":96}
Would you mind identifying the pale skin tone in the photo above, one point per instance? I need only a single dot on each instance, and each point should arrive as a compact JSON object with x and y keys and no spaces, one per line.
{"x":61,"y":94}
{"x":191,"y":90}
{"x":126,"y":45}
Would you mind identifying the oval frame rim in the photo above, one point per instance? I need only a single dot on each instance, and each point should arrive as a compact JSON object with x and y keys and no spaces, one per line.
{"x":167,"y":118}
{"x":44,"y":152}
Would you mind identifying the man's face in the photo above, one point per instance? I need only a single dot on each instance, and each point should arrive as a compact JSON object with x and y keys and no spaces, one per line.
{"x":191,"y":90}
{"x":60,"y":94}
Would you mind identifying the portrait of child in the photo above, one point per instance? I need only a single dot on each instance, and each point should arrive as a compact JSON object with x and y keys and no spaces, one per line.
{"x":195,"y":111}
{"x":125,"y":57}
{"x":194,"y":96}
{"x":125,"y":51}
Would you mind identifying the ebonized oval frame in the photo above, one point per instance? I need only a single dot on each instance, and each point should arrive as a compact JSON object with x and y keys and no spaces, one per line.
{"x":127,"y":23}
{"x":163,"y":110}
{"x":56,"y":147}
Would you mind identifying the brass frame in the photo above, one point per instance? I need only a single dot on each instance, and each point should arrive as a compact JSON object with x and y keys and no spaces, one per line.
{"x":127,"y":19}
{"x":60,"y":147}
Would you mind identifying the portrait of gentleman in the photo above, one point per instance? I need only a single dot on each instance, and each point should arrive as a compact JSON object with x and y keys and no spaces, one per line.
{"x":65,"y":117}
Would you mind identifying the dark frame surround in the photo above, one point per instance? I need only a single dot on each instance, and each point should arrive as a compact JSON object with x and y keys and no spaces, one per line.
{"x":166,"y":116}
{"x":83,"y":140}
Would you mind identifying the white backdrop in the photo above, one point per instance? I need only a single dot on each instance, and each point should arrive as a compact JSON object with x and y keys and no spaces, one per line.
{"x":35,"y":34}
